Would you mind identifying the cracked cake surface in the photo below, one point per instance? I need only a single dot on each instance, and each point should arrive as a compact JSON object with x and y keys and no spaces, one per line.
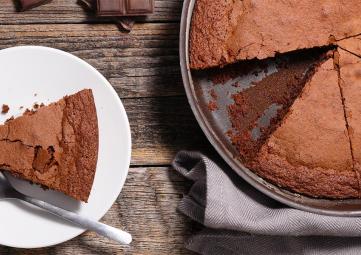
{"x":223,"y":32}
{"x":55,"y":146}
{"x":350,"y":81}
{"x":351,"y":45}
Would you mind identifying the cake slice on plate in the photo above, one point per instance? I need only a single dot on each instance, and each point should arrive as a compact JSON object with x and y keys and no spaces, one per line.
{"x":55,"y":146}
{"x":310,"y":151}
{"x":223,"y":32}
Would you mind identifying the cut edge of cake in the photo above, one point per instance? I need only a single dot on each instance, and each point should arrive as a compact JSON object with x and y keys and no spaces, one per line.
{"x":279,"y":89}
{"x":304,"y":168}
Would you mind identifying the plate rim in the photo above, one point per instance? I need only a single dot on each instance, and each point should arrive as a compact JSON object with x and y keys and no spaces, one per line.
{"x":128,"y":139}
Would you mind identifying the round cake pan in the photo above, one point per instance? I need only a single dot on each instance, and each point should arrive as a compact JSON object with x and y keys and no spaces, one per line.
{"x":215,"y":125}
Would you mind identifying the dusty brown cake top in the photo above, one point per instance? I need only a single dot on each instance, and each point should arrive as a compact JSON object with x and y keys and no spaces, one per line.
{"x":55,"y":146}
{"x":310,"y":151}
{"x":223,"y":32}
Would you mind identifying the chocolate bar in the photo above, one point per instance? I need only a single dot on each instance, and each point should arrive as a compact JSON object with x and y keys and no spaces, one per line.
{"x":29,"y":4}
{"x":124,"y":7}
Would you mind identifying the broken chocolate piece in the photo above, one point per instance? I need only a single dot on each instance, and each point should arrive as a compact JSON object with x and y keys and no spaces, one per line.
{"x":125,"y":7}
{"x":5,"y":109}
{"x":125,"y":24}
{"x":89,"y":4}
{"x":29,"y":4}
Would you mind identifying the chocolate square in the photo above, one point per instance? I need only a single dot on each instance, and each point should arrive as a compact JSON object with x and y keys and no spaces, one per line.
{"x":139,"y":6}
{"x":124,"y":7}
{"x":111,"y":7}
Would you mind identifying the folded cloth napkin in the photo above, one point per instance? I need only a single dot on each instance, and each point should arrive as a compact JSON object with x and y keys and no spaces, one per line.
{"x":238,"y":219}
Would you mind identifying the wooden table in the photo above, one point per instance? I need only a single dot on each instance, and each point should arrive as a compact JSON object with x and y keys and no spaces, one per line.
{"x":143,"y":67}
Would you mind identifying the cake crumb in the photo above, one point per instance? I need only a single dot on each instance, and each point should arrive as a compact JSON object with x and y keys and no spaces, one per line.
{"x":9,"y":119}
{"x":236,"y":84}
{"x":29,"y":111}
{"x":212,"y":106}
{"x":213,"y":94}
{"x":5,"y":109}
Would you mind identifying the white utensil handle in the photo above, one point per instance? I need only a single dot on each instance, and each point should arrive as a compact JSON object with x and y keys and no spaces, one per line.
{"x":115,"y":234}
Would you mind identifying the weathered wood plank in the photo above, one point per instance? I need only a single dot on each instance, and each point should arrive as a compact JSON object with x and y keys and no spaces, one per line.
{"x":69,"y":11}
{"x":161,"y":127}
{"x":147,"y":209}
{"x":144,"y":63}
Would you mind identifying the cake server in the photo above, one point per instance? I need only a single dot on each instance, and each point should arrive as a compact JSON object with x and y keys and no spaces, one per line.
{"x":8,"y":192}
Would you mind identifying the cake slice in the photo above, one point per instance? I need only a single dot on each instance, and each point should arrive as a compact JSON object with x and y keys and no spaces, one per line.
{"x":55,"y":146}
{"x":350,"y":80}
{"x":310,"y":151}
{"x":223,"y":32}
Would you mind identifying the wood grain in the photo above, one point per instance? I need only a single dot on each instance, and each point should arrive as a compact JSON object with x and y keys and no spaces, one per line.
{"x":147,"y":209}
{"x":69,"y":11}
{"x":144,"y":63}
{"x":161,"y":127}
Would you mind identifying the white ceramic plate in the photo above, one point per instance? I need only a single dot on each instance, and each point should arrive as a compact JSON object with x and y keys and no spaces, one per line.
{"x":31,"y":74}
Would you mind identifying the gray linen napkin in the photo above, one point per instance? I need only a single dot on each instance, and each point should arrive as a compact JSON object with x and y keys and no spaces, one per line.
{"x":240,"y":220}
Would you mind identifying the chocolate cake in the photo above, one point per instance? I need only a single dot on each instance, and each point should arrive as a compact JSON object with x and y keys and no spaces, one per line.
{"x":223,"y":32}
{"x":314,"y":138}
{"x":311,"y":143}
{"x":310,"y":151}
{"x":55,"y":146}
{"x":277,"y":90}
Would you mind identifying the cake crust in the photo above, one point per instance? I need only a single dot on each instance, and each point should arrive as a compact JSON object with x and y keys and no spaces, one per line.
{"x":80,"y":138}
